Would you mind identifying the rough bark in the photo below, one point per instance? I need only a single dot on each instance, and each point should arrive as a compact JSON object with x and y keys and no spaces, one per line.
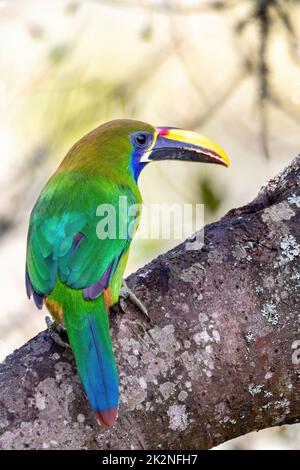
{"x":219,"y":358}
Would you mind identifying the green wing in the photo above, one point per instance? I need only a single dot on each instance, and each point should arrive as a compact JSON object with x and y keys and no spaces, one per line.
{"x":62,"y":237}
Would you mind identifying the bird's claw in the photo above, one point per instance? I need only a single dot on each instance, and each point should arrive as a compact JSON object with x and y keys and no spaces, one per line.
{"x":127,"y":294}
{"x":55,"y":330}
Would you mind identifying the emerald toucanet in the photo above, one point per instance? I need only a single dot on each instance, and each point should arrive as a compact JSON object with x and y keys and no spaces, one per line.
{"x":74,"y":272}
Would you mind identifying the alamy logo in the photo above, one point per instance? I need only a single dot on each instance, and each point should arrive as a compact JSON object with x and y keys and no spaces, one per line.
{"x":159,"y":221}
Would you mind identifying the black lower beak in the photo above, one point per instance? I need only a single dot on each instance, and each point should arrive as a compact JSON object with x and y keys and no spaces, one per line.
{"x":184,"y":155}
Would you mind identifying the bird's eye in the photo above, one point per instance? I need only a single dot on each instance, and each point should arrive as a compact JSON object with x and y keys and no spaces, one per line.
{"x":141,"y":139}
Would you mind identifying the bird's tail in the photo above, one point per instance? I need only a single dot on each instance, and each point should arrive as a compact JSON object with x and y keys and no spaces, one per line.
{"x":91,"y":344}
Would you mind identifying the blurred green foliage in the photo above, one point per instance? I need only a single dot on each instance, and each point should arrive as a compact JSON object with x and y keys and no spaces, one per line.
{"x":209,"y":196}
{"x":58,"y":53}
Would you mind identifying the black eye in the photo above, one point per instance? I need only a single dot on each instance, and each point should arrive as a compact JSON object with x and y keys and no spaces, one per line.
{"x":141,"y":139}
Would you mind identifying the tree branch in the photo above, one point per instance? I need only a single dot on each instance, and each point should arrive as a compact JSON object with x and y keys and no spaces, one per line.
{"x":219,"y":358}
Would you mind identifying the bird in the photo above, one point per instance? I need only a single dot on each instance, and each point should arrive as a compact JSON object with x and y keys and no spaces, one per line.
{"x":74,"y":271}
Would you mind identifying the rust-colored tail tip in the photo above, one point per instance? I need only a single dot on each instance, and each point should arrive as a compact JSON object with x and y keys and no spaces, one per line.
{"x":107,"y":418}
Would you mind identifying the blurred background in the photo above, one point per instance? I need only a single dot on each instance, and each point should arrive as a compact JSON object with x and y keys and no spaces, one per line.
{"x":230,"y":69}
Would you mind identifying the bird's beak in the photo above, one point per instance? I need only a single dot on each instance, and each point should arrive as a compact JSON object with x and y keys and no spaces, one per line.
{"x":177,"y":144}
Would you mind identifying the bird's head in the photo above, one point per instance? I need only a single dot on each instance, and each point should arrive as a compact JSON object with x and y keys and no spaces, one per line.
{"x":125,"y":145}
{"x":167,"y":143}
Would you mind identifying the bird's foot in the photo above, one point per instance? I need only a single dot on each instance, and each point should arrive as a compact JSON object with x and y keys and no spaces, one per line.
{"x":127,"y":294}
{"x":56,"y":331}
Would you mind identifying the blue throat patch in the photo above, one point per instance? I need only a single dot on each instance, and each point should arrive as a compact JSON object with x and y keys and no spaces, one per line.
{"x":135,"y":163}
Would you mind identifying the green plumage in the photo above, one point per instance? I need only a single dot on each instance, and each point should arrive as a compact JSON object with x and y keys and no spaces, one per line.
{"x":65,"y":256}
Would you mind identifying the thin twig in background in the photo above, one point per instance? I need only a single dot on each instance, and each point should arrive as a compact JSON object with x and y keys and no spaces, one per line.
{"x":264,"y":77}
{"x":171,"y":7}
{"x":262,"y":16}
{"x":231,"y":87}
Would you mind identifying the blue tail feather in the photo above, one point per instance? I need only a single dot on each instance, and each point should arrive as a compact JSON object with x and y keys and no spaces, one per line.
{"x":90,"y":341}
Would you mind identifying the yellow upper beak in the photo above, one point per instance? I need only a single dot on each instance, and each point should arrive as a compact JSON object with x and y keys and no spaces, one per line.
{"x":178,"y":144}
